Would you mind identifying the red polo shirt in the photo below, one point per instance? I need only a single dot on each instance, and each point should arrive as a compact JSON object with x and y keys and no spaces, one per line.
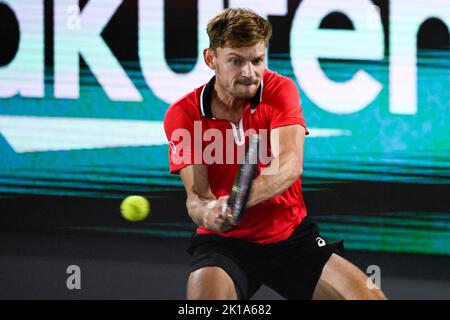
{"x":196,"y":137}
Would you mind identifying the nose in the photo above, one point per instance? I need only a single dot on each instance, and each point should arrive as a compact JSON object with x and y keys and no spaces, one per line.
{"x":248,"y":70}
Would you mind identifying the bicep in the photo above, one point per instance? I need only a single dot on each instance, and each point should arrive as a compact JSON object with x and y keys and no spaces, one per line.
{"x":288,"y":142}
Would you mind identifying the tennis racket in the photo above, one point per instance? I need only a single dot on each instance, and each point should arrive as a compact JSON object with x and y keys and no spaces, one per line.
{"x":243,"y":181}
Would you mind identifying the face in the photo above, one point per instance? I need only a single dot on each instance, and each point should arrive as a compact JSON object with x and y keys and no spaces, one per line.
{"x":238,"y":70}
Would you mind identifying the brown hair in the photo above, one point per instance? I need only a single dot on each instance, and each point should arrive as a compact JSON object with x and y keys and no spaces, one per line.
{"x":238,"y":28}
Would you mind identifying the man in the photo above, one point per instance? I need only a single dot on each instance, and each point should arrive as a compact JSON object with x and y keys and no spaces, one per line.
{"x":275,"y":244}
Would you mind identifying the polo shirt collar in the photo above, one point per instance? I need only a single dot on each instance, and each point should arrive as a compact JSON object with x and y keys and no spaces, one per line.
{"x":206,"y":95}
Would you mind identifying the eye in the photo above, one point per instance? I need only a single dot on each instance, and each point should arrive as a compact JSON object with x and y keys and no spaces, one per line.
{"x":257,"y":62}
{"x":235,"y":62}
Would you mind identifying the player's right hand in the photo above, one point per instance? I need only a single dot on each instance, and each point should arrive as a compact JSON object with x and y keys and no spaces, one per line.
{"x":217,"y":218}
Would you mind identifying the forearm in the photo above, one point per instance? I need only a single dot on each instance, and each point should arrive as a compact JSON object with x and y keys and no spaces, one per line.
{"x":202,"y":205}
{"x":275,"y":179}
{"x":209,"y":213}
{"x":198,"y":208}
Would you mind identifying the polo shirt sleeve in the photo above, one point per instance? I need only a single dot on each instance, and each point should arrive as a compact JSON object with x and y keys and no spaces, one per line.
{"x":179,"y":129}
{"x":286,"y":109}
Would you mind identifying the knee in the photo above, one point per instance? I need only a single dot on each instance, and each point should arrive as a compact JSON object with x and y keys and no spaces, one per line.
{"x":376,"y":294}
{"x":365,"y":290}
{"x":210,"y":283}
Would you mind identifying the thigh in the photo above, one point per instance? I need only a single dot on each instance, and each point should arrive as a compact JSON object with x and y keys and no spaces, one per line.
{"x":296,"y":265}
{"x":217,"y":273}
{"x":340,"y":279}
{"x":211,"y":283}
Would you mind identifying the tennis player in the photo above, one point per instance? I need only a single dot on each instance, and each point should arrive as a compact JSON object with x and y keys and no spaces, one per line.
{"x":276,"y":243}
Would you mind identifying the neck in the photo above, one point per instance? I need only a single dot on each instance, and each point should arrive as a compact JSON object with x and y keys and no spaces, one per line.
{"x":227,"y":102}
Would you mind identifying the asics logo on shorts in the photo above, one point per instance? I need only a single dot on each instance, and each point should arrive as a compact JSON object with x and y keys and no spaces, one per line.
{"x":320,"y":242}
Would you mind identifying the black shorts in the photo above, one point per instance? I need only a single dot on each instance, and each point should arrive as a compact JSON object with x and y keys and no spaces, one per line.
{"x":290,"y":267}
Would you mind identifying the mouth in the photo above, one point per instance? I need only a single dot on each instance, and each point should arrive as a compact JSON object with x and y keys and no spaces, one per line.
{"x":248,"y":83}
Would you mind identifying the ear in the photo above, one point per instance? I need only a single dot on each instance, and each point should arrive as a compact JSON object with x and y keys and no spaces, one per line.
{"x":209,"y":57}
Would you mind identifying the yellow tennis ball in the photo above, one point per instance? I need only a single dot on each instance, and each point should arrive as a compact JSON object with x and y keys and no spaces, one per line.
{"x":135,"y":208}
